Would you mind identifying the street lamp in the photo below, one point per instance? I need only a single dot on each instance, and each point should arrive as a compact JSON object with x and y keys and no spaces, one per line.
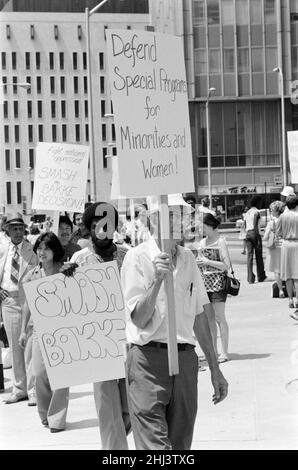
{"x":283,"y":123}
{"x":211,"y":90}
{"x":90,"y":102}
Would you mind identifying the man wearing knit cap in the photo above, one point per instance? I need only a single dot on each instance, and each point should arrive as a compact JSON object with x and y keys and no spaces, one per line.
{"x":101,"y":219}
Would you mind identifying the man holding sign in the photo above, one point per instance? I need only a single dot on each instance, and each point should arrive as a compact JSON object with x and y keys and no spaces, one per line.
{"x":163,"y":408}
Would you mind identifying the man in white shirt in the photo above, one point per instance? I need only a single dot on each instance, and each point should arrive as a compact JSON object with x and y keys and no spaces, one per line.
{"x":254,"y":240}
{"x":16,"y":259}
{"x":163,"y":408}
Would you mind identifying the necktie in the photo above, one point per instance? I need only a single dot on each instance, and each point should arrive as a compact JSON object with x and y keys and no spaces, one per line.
{"x":15,"y":267}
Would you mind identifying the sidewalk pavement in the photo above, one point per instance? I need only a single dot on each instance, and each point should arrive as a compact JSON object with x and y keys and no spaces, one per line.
{"x":260,"y":412}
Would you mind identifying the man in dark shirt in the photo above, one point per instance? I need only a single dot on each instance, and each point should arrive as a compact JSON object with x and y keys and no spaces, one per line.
{"x":64,"y":235}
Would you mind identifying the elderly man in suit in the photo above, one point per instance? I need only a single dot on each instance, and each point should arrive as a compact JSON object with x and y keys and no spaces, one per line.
{"x":16,"y":259}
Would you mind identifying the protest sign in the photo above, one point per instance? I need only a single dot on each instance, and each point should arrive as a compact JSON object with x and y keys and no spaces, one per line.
{"x":80,"y":324}
{"x":293,"y":155}
{"x":60,"y":177}
{"x":149,"y":92}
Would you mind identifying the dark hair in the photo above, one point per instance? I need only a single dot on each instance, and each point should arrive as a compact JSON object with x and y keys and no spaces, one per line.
{"x":91,"y":213}
{"x":205,"y":201}
{"x":292,"y":201}
{"x":64,"y":219}
{"x":51,"y":241}
{"x":211,"y":221}
{"x":256,"y":201}
{"x":74,"y":217}
{"x":34,"y":230}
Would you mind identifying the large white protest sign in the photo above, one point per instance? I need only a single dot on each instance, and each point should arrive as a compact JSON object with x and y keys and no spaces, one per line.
{"x":293,"y":155}
{"x":80,"y":324}
{"x":60,"y":177}
{"x":149,"y":92}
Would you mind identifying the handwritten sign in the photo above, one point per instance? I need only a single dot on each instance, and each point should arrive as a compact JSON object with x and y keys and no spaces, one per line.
{"x":60,"y":177}
{"x":293,"y":155}
{"x":80,"y":324}
{"x":149,"y":92}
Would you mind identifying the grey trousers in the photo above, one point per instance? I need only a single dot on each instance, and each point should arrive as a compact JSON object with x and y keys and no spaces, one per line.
{"x":22,"y":370}
{"x":163,"y":408}
{"x":51,"y":404}
{"x":113,"y":414}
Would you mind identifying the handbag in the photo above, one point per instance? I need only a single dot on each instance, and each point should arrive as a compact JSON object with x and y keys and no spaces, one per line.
{"x":3,"y":337}
{"x":232,"y":285}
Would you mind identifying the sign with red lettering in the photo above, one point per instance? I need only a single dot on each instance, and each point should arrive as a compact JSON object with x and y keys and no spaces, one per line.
{"x":80,"y":324}
{"x":149,"y":92}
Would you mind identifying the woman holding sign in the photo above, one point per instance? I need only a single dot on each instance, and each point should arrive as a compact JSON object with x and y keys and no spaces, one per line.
{"x":51,"y":404}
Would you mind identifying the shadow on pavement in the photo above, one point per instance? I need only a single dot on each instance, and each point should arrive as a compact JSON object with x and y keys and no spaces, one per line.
{"x":242,"y":357}
{"x":83,"y":424}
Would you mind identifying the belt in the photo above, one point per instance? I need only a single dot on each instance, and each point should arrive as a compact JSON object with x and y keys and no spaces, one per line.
{"x":155,"y":344}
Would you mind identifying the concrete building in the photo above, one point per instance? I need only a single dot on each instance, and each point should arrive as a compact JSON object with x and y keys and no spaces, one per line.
{"x":49,"y":52}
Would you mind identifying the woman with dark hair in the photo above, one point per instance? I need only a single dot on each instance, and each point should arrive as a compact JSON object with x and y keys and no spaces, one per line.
{"x":287,"y":229}
{"x":214,"y":261}
{"x":51,"y":404}
{"x":254,"y":240}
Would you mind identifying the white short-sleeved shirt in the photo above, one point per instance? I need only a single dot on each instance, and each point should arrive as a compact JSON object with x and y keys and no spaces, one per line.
{"x":137,"y":275}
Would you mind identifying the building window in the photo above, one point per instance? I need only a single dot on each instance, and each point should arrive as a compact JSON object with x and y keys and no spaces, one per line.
{"x":51,"y":60}
{"x":243,"y":60}
{"x":29,"y":109}
{"x":5,"y":109}
{"x":200,"y":61}
{"x":84,"y":60}
{"x":104,"y":157}
{"x":75,"y":61}
{"x":256,"y":12}
{"x":242,"y":16}
{"x":104,"y":132}
{"x":61,"y":60}
{"x":27,"y":60}
{"x":40,"y":133}
{"x":6,"y":134}
{"x":8,"y":192}
{"x":64,"y":133}
{"x":101,"y":61}
{"x":103,"y":107}
{"x":199,"y":12}
{"x":37,"y":60}
{"x":77,"y":130}
{"x":7,"y":159}
{"x":77,"y":108}
{"x":85,"y":85}
{"x":16,"y":109}
{"x":270,"y":11}
{"x":229,"y":65}
{"x":257,"y":59}
{"x":86,"y":108}
{"x":38,"y":85}
{"x":39,"y":109}
{"x":113,"y":132}
{"x":63,"y":109}
{"x":30,"y":133}
{"x":87,"y":132}
{"x":28,"y":80}
{"x":14,"y":60}
{"x":19,"y":192}
{"x":114,"y":151}
{"x":102,"y":84}
{"x":54,"y":132}
{"x":17,"y":133}
{"x":4,"y":81}
{"x":214,"y":61}
{"x":53,"y":109}
{"x":52,"y":85}
{"x":62,"y":85}
{"x":3,"y":60}
{"x":18,"y":158}
{"x":213,"y":11}
{"x":75,"y":85}
{"x":15,"y":88}
{"x":31,"y":158}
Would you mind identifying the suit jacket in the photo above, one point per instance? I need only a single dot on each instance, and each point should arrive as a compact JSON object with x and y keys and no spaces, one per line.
{"x":28,"y":260}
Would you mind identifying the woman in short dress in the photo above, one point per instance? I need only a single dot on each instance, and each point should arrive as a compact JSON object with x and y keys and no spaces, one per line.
{"x":214,"y":261}
{"x":287,"y":229}
{"x":274,"y":253}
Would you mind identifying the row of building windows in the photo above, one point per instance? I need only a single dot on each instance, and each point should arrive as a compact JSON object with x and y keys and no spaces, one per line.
{"x":8,"y":166}
{"x":34,"y":60}
{"x":9,"y":192}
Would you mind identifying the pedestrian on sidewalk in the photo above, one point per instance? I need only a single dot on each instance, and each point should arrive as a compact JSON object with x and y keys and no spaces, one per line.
{"x":214,"y":261}
{"x":51,"y":404}
{"x":16,"y":259}
{"x":163,"y":408}
{"x":254,"y":240}
{"x":101,"y":219}
{"x":242,"y":233}
{"x":287,"y":229}
{"x":274,"y":252}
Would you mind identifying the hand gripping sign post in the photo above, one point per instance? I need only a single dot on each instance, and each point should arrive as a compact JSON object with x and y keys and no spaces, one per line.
{"x":149,"y":92}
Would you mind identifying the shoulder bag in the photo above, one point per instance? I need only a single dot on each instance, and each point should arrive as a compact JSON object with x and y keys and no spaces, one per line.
{"x":231,"y":284}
